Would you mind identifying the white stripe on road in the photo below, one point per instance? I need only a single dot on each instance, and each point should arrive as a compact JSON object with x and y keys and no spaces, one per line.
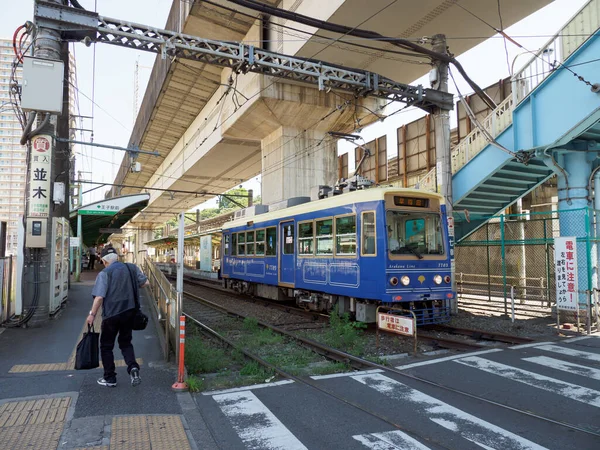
{"x":390,"y":440}
{"x":463,"y":424}
{"x":570,"y":352}
{"x":535,"y":344}
{"x":447,"y":358}
{"x":249,"y":388}
{"x":577,"y":339}
{"x":255,"y":424}
{"x":569,"y":390}
{"x":565,"y":366}
{"x":345,"y":374}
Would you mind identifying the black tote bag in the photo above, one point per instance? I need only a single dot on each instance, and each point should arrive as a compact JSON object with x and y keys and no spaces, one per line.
{"x":88,"y":353}
{"x":140,"y":320}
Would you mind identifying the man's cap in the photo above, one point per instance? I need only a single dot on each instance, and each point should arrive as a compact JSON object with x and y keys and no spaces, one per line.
{"x":108,"y":251}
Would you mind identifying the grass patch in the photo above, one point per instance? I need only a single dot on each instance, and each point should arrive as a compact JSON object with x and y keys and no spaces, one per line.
{"x":201,"y":357}
{"x":344,"y":334}
{"x":195,"y":384}
{"x":332,"y":367}
{"x":259,"y":337}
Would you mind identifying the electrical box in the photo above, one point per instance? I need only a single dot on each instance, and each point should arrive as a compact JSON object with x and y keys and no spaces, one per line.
{"x":42,"y":85}
{"x":59,"y":192}
{"x":35,"y":235}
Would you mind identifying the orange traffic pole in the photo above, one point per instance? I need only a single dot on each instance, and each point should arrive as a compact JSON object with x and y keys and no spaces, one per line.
{"x":180,"y":385}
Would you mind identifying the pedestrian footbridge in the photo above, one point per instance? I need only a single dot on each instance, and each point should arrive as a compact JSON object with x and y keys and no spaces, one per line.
{"x":552,"y":117}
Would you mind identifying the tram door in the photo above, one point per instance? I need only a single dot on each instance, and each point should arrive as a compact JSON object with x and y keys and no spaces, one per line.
{"x":287,"y":254}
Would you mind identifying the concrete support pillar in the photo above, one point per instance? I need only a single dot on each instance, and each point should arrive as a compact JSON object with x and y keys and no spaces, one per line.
{"x":574,"y":219}
{"x":294,"y":161}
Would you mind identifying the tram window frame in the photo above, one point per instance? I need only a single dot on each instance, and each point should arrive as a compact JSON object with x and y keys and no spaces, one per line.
{"x":233,"y":244}
{"x":242,"y":243}
{"x":270,"y":250}
{"x":323,"y":238}
{"x":311,"y":238}
{"x":250,"y":243}
{"x":337,"y":236}
{"x":260,"y":243}
{"x":364,"y":237}
{"x":289,"y":248}
{"x":227,"y":244}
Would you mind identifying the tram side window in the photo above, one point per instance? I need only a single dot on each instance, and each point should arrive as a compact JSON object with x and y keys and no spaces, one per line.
{"x":345,"y":235}
{"x":305,"y":238}
{"x":271,"y":241}
{"x":324,"y":237}
{"x":233,"y":244}
{"x":250,"y":243}
{"x":241,"y":244}
{"x":260,"y":242}
{"x":288,"y":243}
{"x":227,"y":244}
{"x":369,"y":237}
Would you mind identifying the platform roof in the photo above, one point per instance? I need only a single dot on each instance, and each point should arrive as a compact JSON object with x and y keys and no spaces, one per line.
{"x":178,"y":90}
{"x":110,"y":213}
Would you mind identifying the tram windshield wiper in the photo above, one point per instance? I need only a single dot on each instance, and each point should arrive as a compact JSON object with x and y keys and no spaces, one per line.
{"x":414,"y":251}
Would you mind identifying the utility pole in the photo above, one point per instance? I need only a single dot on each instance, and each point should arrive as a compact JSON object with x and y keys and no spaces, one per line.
{"x":41,"y":177}
{"x":441,"y":120}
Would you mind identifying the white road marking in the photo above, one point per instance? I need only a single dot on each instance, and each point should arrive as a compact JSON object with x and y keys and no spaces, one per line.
{"x":345,"y":374}
{"x":390,"y":440}
{"x":255,"y":424}
{"x":565,"y":366}
{"x":249,"y":388}
{"x":577,"y":339}
{"x":570,"y":352}
{"x":479,"y":431}
{"x":447,"y":358}
{"x":569,"y":390}
{"x":535,"y":344}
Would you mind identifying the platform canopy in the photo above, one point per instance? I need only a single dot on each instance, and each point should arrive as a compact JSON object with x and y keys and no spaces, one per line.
{"x":101,"y":219}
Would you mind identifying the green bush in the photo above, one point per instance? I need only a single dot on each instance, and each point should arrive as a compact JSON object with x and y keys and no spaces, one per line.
{"x":202,"y":358}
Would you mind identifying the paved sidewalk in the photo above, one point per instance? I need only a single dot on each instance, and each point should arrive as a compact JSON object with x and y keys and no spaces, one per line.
{"x":46,"y":405}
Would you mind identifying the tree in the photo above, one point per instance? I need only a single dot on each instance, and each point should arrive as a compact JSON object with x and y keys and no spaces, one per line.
{"x":226,"y":203}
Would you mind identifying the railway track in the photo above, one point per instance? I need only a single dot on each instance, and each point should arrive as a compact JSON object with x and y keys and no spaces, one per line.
{"x":357,"y":364}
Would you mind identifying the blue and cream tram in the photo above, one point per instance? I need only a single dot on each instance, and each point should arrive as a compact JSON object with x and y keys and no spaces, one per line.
{"x":356,"y":250}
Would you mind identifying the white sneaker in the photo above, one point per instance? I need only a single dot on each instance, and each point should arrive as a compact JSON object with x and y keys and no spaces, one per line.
{"x":135,"y":377}
{"x":103,"y":382}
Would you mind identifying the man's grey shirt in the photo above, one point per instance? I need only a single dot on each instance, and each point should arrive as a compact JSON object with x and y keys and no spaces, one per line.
{"x":114,"y":285}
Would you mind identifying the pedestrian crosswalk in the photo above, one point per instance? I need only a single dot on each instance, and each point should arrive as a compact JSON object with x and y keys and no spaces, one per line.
{"x":425,"y":418}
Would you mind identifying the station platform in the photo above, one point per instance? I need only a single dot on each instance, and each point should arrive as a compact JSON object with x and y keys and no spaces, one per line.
{"x":45,"y":404}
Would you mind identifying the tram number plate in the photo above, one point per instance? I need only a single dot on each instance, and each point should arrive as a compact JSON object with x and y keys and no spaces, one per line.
{"x":396,"y":324}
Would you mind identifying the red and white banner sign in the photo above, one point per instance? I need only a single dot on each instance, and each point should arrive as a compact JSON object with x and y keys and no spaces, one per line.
{"x":39,"y":176}
{"x":396,"y":324}
{"x":565,"y":259}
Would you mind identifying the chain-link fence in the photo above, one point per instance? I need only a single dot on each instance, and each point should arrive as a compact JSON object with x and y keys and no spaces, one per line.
{"x":508,"y":263}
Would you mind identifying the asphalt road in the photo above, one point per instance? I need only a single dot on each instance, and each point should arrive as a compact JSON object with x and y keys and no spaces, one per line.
{"x":526,"y":397}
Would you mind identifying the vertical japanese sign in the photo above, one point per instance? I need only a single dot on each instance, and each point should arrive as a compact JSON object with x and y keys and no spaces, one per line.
{"x":206,"y":253}
{"x":565,"y":260}
{"x":39,"y":176}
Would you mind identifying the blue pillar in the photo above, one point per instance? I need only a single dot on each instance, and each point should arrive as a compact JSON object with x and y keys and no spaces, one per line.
{"x":573,"y":204}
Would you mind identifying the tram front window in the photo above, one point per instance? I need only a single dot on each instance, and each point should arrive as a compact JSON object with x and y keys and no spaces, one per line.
{"x":410,"y":233}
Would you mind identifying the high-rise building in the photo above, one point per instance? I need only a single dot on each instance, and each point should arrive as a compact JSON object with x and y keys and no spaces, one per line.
{"x":13,"y":169}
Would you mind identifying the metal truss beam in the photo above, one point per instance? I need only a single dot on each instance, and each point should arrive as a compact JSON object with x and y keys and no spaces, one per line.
{"x":76,"y":24}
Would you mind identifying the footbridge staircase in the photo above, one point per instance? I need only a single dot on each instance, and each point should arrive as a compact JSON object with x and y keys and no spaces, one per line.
{"x":555,"y":105}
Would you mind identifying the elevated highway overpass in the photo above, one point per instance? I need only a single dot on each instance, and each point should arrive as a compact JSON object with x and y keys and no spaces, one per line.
{"x":214,"y":128}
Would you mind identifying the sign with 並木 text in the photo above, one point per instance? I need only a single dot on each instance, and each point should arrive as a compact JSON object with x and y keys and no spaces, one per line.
{"x":565,"y":263}
{"x":39,"y":176}
{"x":396,"y":324}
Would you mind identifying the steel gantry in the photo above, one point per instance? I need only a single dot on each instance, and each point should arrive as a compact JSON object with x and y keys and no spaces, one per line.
{"x":77,"y":25}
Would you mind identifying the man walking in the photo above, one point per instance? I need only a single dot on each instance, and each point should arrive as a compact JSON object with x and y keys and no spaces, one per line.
{"x":114,"y":291}
{"x":92,"y":259}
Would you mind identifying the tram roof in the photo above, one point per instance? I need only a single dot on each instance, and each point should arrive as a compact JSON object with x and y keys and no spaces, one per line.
{"x":170,"y":241}
{"x":360,"y":196}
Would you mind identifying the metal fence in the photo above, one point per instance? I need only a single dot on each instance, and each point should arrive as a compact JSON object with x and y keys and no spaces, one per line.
{"x":8,"y":287}
{"x":164,"y":301}
{"x":511,"y":258}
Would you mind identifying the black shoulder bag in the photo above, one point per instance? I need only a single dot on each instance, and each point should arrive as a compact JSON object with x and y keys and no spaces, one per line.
{"x":140,"y":320}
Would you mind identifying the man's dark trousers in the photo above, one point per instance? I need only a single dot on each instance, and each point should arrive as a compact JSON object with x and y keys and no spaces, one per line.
{"x":120,"y":324}
{"x":91,"y":262}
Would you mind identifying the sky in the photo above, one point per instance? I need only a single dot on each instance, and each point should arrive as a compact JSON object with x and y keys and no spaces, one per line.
{"x":108,"y":77}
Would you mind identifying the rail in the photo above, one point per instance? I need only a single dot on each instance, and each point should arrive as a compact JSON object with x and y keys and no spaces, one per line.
{"x":164,"y":302}
{"x":545,"y":61}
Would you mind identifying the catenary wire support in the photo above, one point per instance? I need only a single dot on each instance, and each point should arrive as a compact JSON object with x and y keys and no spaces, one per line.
{"x":76,"y":25}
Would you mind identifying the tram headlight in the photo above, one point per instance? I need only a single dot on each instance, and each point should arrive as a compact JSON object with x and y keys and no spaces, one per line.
{"x":394,"y":281}
{"x":405,"y":280}
{"x":447,"y":279}
{"x":437,"y":279}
